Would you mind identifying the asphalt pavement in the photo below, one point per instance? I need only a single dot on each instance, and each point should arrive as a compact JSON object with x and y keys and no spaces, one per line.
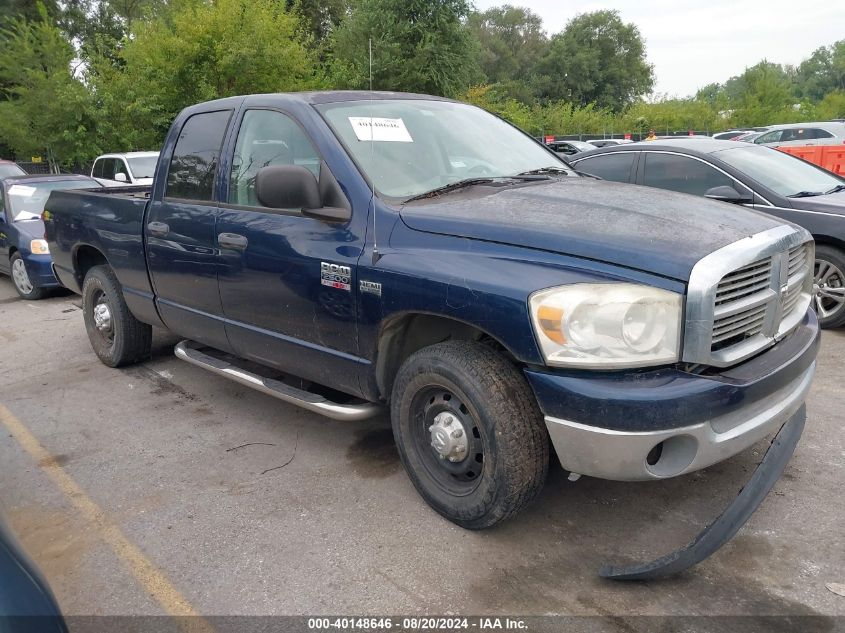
{"x":161,"y":488}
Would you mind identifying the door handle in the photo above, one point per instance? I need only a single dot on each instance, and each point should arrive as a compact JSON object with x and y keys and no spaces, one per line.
{"x":159,"y":229}
{"x":233,"y":241}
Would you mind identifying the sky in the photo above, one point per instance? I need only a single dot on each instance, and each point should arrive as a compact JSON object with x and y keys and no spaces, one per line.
{"x":696,"y":42}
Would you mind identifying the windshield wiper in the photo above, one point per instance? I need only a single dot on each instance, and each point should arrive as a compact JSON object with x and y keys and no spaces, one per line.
{"x":835,"y":189}
{"x":545,"y":170}
{"x":806,"y":194}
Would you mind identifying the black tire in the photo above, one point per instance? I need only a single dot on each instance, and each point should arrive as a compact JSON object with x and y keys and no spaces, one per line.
{"x":479,"y":388}
{"x":121,"y":339}
{"x":829,"y":286}
{"x":24,"y":286}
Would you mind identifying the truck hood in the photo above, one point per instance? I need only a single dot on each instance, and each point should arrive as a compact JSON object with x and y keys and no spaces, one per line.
{"x":652,"y":230}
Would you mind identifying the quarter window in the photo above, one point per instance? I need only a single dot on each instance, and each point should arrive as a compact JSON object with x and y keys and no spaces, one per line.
{"x":195,"y":158}
{"x":267,"y":138}
{"x":683,"y":174}
{"x":615,"y":166}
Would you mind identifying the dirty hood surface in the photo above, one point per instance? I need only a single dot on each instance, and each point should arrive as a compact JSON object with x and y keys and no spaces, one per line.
{"x":652,"y":230}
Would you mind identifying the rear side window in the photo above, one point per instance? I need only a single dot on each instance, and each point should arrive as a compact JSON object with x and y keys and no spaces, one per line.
{"x":615,"y":167}
{"x":195,"y":158}
{"x":97,"y":172}
{"x":820,"y":133}
{"x":679,"y":173}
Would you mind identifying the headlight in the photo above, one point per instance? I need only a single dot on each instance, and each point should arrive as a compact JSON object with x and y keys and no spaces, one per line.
{"x":39,"y":247}
{"x":607,"y":326}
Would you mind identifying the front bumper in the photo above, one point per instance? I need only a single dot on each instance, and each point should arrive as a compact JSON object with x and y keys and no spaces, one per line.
{"x":653,"y":425}
{"x":40,"y":270}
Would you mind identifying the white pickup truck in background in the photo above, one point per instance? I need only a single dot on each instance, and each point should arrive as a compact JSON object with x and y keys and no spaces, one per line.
{"x":135,"y":168}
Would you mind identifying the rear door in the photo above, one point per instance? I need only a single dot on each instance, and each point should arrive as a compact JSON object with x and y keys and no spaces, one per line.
{"x":684,"y":174}
{"x":287,"y":282}
{"x":180,"y":233}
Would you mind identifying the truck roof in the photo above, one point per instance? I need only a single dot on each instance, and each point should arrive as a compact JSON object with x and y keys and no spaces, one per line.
{"x":323,"y":96}
{"x":129,"y":155}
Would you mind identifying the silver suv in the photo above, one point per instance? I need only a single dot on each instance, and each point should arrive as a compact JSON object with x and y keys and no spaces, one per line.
{"x":821,"y":133}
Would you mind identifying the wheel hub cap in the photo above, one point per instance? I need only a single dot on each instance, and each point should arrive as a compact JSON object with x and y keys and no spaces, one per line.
{"x":20,"y":277}
{"x":102,"y":317}
{"x":828,"y":288}
{"x":448,"y":437}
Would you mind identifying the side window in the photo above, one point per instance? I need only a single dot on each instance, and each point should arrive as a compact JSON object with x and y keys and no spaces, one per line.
{"x":267,"y":138}
{"x":195,"y":157}
{"x":679,"y":173}
{"x":770,"y":137}
{"x":616,"y":166}
{"x":108,"y":168}
{"x":97,"y":172}
{"x":120,"y":167}
{"x":820,"y":133}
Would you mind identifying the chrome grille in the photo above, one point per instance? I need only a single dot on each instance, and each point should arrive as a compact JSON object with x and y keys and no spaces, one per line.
{"x":747,"y":295}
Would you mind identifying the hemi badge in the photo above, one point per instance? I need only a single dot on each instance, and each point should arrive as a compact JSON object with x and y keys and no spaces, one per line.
{"x":372,"y":287}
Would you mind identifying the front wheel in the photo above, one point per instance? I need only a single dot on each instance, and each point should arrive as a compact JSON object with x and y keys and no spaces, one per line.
{"x":829,"y":286}
{"x":469,"y":433}
{"x":116,"y":336}
{"x":20,"y":278}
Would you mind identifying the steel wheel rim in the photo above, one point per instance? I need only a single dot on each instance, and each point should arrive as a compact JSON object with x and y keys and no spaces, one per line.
{"x":828,"y":288}
{"x":457,"y":478}
{"x":103,"y":317}
{"x":20,"y":277}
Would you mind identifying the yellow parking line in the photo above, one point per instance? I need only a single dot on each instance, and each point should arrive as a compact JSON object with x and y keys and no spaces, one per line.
{"x":143,"y":570}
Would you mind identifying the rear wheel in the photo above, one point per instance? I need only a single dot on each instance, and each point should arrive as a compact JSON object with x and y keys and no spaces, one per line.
{"x":829,"y":286}
{"x":20,"y":278}
{"x":469,"y":432}
{"x":116,"y":336}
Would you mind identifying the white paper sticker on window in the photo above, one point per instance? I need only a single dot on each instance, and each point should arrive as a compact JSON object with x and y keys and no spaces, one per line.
{"x":379,"y":129}
{"x":21,"y":190}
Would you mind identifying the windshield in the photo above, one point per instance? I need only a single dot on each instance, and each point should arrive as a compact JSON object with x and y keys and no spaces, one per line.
{"x":409,"y":147}
{"x":780,"y":172}
{"x":10,"y":169}
{"x":27,"y":199}
{"x":143,"y":166}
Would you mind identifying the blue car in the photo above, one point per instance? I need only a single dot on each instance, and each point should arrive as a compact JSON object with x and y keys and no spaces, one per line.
{"x":24,"y":254}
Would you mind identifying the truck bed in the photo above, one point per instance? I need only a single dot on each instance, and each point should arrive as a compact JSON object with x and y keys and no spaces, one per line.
{"x":108,"y":220}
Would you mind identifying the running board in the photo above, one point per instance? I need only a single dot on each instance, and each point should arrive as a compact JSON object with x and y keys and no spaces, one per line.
{"x":188,"y":351}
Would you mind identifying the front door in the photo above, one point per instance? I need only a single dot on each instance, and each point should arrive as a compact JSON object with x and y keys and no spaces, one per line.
{"x":180,"y":233}
{"x":287,"y":282}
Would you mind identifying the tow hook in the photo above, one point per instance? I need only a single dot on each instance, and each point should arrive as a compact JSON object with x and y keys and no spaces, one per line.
{"x":720,"y":531}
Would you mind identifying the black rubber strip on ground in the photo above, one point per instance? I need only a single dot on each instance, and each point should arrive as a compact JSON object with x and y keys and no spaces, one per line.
{"x":715,"y":535}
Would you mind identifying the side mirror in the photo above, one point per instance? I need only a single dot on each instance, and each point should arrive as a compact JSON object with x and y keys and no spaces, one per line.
{"x":121,"y":177}
{"x":294,"y":187}
{"x":727,"y":194}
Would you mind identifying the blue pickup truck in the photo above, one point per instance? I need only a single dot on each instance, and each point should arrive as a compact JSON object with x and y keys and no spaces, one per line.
{"x":356,"y":252}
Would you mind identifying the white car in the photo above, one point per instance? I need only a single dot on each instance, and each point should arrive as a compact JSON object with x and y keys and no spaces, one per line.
{"x":135,"y":168}
{"x":821,"y":133}
{"x":604,"y":142}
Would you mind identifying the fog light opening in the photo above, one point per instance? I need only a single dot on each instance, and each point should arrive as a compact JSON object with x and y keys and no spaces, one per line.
{"x":654,"y":454}
{"x":670,"y":457}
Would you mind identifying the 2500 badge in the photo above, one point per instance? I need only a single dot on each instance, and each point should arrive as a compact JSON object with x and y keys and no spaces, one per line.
{"x":335,"y":276}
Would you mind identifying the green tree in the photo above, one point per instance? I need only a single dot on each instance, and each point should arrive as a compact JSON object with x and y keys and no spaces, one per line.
{"x":832,"y":106}
{"x":763,"y":94}
{"x":596,"y":59}
{"x":44,"y":108}
{"x":196,"y":52}
{"x":418,"y":46}
{"x":511,"y":40}
{"x":28,"y":9}
{"x":822,"y":72}
{"x":320,"y":17}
